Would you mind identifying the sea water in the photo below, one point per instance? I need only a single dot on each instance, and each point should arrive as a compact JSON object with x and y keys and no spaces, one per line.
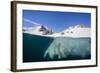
{"x":40,"y":48}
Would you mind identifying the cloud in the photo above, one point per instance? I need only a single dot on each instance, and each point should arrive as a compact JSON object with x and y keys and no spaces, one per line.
{"x":32,"y":22}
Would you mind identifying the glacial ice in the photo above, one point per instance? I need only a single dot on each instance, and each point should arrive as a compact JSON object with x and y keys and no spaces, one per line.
{"x":65,"y":47}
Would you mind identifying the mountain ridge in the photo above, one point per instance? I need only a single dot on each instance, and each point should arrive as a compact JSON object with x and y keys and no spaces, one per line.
{"x":72,"y":31}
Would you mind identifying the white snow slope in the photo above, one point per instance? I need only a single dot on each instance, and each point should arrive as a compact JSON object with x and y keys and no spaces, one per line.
{"x":76,"y":31}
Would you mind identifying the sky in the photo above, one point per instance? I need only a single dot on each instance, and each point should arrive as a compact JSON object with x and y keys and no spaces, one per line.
{"x":54,"y":20}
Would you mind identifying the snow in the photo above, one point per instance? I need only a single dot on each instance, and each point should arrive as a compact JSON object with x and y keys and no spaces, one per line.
{"x":38,"y":30}
{"x":75,"y":32}
{"x":78,"y":32}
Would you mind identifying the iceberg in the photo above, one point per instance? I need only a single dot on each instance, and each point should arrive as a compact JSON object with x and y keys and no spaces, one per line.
{"x":69,"y":48}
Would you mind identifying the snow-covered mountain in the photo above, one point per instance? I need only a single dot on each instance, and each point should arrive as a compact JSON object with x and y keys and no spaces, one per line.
{"x":73,"y":31}
{"x":77,"y":31}
{"x":38,"y":30}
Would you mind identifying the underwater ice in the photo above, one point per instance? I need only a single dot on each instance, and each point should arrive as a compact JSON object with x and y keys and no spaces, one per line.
{"x":64,"y":47}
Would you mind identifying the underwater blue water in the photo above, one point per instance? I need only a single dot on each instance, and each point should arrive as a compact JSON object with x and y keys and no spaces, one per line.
{"x":39,"y":48}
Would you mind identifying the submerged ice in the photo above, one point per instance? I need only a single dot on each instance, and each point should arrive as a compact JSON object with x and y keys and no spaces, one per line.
{"x":68,"y":48}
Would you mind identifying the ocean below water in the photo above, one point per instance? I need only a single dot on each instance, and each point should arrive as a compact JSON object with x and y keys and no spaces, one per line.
{"x":40,"y":48}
